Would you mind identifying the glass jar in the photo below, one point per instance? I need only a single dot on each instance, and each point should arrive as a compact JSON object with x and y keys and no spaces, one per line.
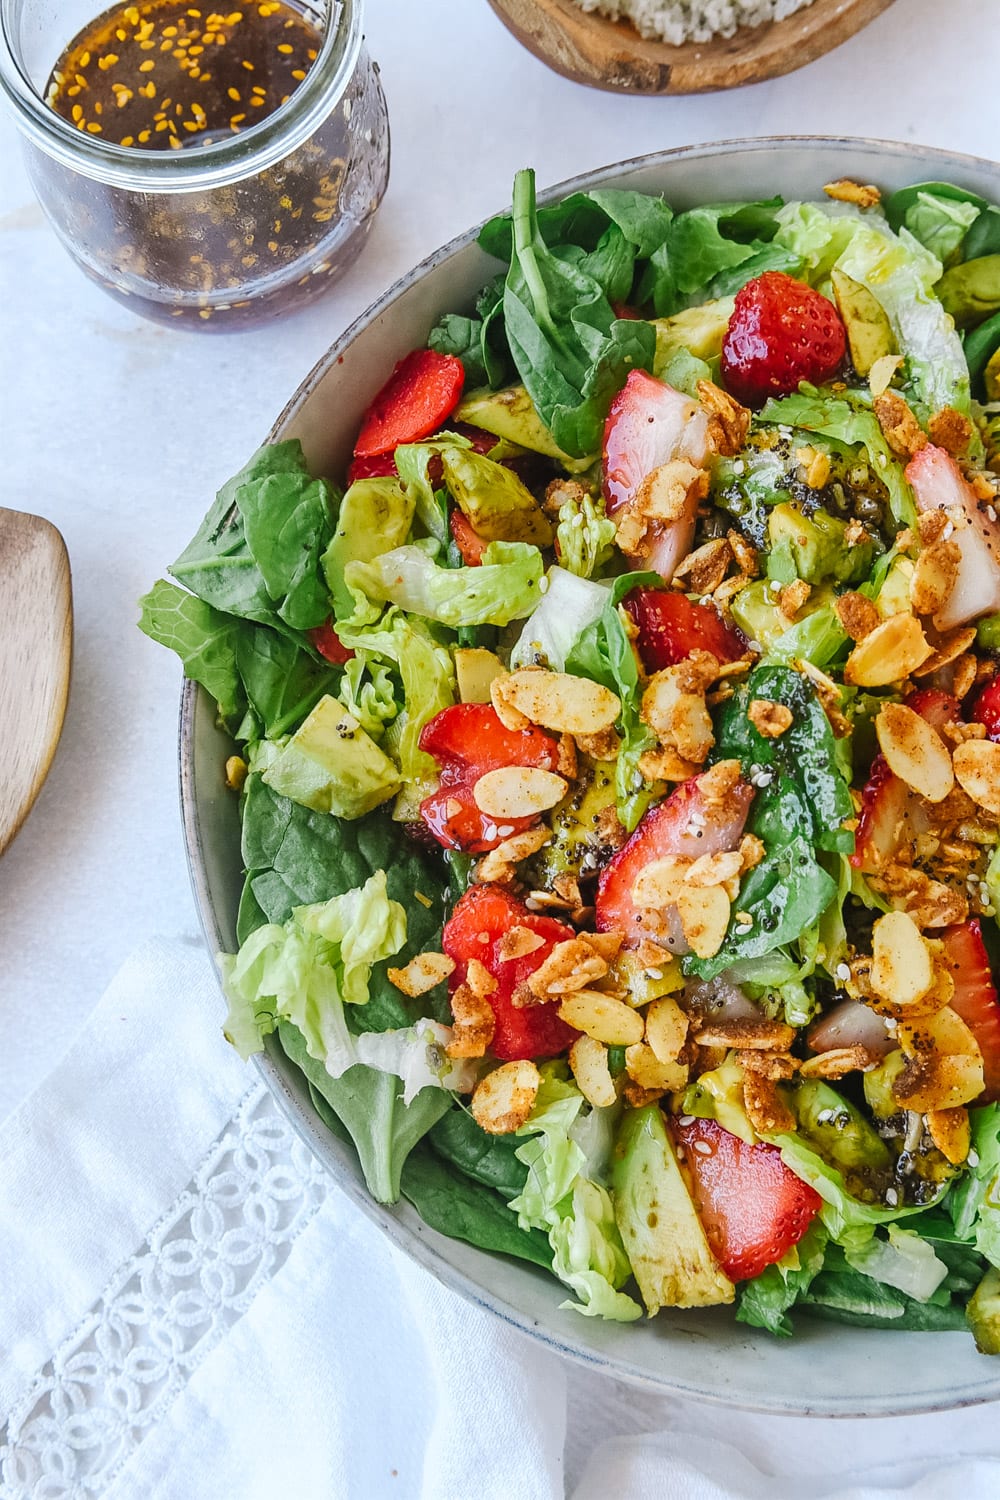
{"x":225,"y":232}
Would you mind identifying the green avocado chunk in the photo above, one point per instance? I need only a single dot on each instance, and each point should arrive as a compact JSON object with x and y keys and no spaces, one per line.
{"x":983,"y":1313}
{"x":331,"y":765}
{"x":498,"y":505}
{"x":837,"y":1129}
{"x":658,"y":1223}
{"x":971,"y":291}
{"x":814,"y":548}
{"x":511,"y":414}
{"x":869,"y":332}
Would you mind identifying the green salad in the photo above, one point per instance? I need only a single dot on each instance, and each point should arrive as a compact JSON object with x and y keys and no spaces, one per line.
{"x":617,"y":744}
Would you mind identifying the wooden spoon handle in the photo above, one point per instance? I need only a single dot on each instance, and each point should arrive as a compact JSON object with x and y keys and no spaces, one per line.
{"x":36,"y":644}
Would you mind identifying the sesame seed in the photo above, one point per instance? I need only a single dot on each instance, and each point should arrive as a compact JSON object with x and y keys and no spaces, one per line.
{"x":842,"y":971}
{"x":891,"y":1197}
{"x":703,"y":1148}
{"x":973,"y":1158}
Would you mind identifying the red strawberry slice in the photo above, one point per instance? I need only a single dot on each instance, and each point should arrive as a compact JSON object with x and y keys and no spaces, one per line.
{"x":671,"y":627}
{"x":890,"y":813}
{"x":422,"y":391}
{"x":480,"y":919}
{"x":686,"y":824}
{"x":781,"y":333}
{"x":753,"y":1207}
{"x":939,"y":484}
{"x":327,"y":643}
{"x":467,"y":539}
{"x":468,"y":740}
{"x":381,"y":466}
{"x":975,"y":998}
{"x":472,"y":733}
{"x":986,"y":709}
{"x":649,"y":423}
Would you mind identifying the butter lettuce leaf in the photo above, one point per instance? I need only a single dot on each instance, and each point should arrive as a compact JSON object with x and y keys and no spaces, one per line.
{"x":505,"y":587}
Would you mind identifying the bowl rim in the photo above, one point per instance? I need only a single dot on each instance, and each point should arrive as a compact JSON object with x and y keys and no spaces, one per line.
{"x":309,"y":1127}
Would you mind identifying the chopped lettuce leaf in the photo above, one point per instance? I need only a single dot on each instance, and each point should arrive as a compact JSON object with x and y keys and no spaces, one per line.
{"x":974,"y":1202}
{"x":574,"y":1208}
{"x":585,"y":536}
{"x":903,"y":1260}
{"x":817,"y":235}
{"x":368,"y":692}
{"x":569,"y":606}
{"x":306,"y":969}
{"x":849,"y":1222}
{"x":940,"y":223}
{"x":416,"y":1055}
{"x":765,"y":1301}
{"x":507,"y":585}
{"x":413,"y":461}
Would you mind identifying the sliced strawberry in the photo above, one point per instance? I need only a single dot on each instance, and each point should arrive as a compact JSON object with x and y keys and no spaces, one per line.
{"x":753,"y":1207}
{"x":939,"y":484}
{"x":381,"y":466}
{"x":480,"y":919}
{"x":467,"y":539}
{"x":686,"y":823}
{"x":975,"y":998}
{"x":468,"y":740}
{"x":649,"y":424}
{"x":473,"y":733}
{"x":625,"y":311}
{"x":422,"y":391}
{"x":891,"y":814}
{"x":671,"y":627}
{"x":327,"y":643}
{"x":986,"y":709}
{"x":781,"y":333}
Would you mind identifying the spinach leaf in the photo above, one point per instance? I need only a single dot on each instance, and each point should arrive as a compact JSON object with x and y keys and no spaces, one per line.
{"x":294,"y":857}
{"x":256,"y":554}
{"x":204,"y":638}
{"x":843,"y":1295}
{"x":570,"y":350}
{"x":490,"y":1159}
{"x":465,"y":1210}
{"x":604,"y":653}
{"x":611,"y":263}
{"x":463,"y":337}
{"x":808,"y":795}
{"x":582,"y":219}
{"x":370,"y":1105}
{"x":283,"y":683}
{"x":770,"y":258}
{"x":704,"y":246}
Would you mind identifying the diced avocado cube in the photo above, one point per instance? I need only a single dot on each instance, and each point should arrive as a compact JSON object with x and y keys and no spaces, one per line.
{"x":498,"y":505}
{"x":983,"y":1313}
{"x":475,"y":671}
{"x":894,"y":596}
{"x":331,"y":765}
{"x":878,"y":1084}
{"x":375,"y":517}
{"x":837,"y":1128}
{"x":510,"y":413}
{"x":658,"y":1222}
{"x":869,"y":332}
{"x":698,"y":330}
{"x":815,"y":546}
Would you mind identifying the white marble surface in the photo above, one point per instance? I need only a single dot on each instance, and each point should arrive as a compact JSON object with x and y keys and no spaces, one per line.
{"x":120,"y":431}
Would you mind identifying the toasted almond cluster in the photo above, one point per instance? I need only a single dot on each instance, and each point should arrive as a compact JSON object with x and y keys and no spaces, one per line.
{"x":728,"y":422}
{"x":675,"y":708}
{"x":935,"y":576}
{"x":474,"y":1023}
{"x":766,"y":1109}
{"x":793,"y":598}
{"x":900,"y":427}
{"x":840,"y":1061}
{"x":666,"y":495}
{"x":857,"y":615}
{"x":502,"y":1101}
{"x":846,"y":190}
{"x":500,"y":864}
{"x":944,"y":1067}
{"x":703,"y":570}
{"x":769,"y":719}
{"x":977,"y":769}
{"x":951,"y":430}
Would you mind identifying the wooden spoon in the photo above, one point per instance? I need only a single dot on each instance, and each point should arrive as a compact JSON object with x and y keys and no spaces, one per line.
{"x":36,"y":647}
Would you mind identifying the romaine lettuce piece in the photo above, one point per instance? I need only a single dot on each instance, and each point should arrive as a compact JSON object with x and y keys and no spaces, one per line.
{"x":585,"y":537}
{"x":903,"y":1260}
{"x":569,"y":606}
{"x":764,"y":1301}
{"x":308,"y":968}
{"x":574,"y":1208}
{"x":505,"y":587}
{"x":974,"y":1202}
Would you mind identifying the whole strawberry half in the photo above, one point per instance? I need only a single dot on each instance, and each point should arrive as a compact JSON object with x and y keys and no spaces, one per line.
{"x":781,"y":333}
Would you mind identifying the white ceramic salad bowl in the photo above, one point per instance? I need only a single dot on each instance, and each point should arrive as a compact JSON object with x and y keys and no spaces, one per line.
{"x":827,"y":1368}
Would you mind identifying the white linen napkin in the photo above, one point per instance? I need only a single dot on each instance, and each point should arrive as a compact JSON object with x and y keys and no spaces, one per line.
{"x":190,"y":1310}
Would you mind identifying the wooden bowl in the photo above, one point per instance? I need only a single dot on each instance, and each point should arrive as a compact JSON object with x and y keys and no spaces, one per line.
{"x":603,"y":54}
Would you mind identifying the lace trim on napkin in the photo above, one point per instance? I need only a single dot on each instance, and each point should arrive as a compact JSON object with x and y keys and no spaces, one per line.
{"x":164,"y":1310}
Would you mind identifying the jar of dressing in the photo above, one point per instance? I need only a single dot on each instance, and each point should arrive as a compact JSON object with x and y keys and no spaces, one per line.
{"x":209,"y":168}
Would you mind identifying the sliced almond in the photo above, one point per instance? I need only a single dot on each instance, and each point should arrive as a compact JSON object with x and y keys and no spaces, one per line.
{"x":880,"y":376}
{"x":728,"y":421}
{"x":715,"y":869}
{"x":517,"y":942}
{"x":572,"y":965}
{"x":421,"y":973}
{"x":660,"y":881}
{"x":602,"y":1017}
{"x":902,"y":971}
{"x":947,"y":650}
{"x":915,"y":751}
{"x":479,"y":979}
{"x":977,"y":768}
{"x":510,"y":717}
{"x":704,"y":913}
{"x":604,"y":745}
{"x":644,"y":1068}
{"x":474,"y":1024}
{"x":949,"y":1130}
{"x":752,"y":851}
{"x":839,"y":1061}
{"x":666,"y":1028}
{"x":500,"y":863}
{"x":756,"y":1033}
{"x":705,"y":568}
{"x":891,"y":652}
{"x":607,"y":944}
{"x":518,"y":792}
{"x":666,"y":493}
{"x":559,"y":701}
{"x":504,"y":1099}
{"x":934,"y":577}
{"x":589,"y":1062}
{"x":846,"y":190}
